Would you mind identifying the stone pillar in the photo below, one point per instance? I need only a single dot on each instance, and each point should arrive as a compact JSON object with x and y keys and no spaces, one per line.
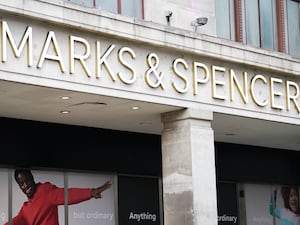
{"x":189,"y":175}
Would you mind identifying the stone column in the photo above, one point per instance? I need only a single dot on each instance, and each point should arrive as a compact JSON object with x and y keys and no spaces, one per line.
{"x":189,"y":175}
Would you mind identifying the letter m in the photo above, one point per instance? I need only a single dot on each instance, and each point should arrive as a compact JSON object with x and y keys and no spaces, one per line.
{"x":7,"y":37}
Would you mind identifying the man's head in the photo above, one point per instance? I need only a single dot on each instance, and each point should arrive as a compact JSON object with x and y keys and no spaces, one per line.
{"x":26,"y":182}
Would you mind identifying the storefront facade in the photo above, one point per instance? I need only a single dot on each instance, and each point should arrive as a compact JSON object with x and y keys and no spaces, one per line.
{"x":188,"y":84}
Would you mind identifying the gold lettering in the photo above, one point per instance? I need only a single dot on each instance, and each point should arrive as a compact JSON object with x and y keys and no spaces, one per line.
{"x":103,"y":60}
{"x":127,"y":65}
{"x":181,"y":76}
{"x":81,"y":58}
{"x":234,"y":82}
{"x":196,"y":80}
{"x":57,"y":57}
{"x":252,"y":89}
{"x":216,"y":82}
{"x":263,"y":90}
{"x":292,"y":98}
{"x":27,"y":38}
{"x":274,"y":93}
{"x":157,"y":78}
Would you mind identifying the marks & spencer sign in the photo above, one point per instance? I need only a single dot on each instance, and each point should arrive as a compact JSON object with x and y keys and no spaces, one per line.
{"x":97,"y":60}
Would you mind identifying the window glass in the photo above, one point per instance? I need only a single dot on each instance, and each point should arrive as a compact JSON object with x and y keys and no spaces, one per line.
{"x":275,"y":26}
{"x":257,"y":204}
{"x":138,"y":196}
{"x":94,"y":211}
{"x":107,"y":5}
{"x":132,"y":8}
{"x":81,"y":209}
{"x":3,"y":196}
{"x":225,"y":19}
{"x":252,"y":23}
{"x":18,"y":197}
{"x":293,"y":28}
{"x":268,"y":24}
{"x":259,"y":23}
{"x":227,"y":203}
{"x":88,"y":3}
{"x":222,"y":19}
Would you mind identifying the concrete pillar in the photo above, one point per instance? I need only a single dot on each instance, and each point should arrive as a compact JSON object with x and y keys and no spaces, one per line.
{"x":188,"y":161}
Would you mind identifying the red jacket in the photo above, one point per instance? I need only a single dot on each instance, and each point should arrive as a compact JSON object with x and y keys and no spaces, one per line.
{"x":42,"y":208}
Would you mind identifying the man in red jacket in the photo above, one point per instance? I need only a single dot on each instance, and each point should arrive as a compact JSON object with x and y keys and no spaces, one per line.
{"x":44,"y":199}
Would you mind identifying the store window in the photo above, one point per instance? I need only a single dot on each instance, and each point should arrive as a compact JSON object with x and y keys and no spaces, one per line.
{"x":268,"y":24}
{"x":63,"y":197}
{"x":51,"y":190}
{"x":131,"y":8}
{"x":258,"y":204}
{"x":227,"y":203}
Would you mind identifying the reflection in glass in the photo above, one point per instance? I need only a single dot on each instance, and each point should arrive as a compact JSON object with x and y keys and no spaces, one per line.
{"x":268,"y":24}
{"x":293,"y":28}
{"x":252,"y":23}
{"x":88,"y":3}
{"x":107,"y":5}
{"x":223,"y":19}
{"x":132,"y":8}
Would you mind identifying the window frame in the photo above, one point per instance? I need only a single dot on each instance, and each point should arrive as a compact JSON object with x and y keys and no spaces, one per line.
{"x":280,"y":23}
{"x":119,"y":5}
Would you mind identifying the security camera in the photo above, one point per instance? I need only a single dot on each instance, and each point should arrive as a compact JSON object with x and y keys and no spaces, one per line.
{"x":169,"y":13}
{"x":201,"y":21}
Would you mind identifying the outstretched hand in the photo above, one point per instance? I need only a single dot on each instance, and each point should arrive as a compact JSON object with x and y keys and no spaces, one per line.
{"x":96,"y":192}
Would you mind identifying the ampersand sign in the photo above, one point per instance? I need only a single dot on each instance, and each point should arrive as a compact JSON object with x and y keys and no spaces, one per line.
{"x":153,"y":62}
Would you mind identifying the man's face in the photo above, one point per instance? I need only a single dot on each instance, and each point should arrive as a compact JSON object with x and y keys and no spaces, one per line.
{"x":26,"y":183}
